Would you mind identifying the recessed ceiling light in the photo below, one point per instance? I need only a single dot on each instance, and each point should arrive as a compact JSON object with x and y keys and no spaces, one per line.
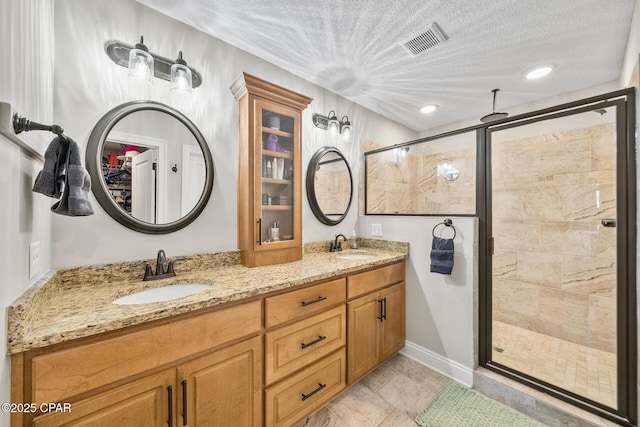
{"x":538,"y":72}
{"x":429,"y":108}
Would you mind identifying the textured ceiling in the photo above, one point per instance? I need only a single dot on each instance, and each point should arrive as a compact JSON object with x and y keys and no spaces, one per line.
{"x":351,"y":47}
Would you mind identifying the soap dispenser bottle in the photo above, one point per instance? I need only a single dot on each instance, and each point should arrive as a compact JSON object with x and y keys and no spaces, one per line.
{"x":354,"y":244}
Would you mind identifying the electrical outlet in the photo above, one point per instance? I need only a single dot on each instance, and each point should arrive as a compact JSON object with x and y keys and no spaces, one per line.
{"x":376,"y":230}
{"x":34,"y":259}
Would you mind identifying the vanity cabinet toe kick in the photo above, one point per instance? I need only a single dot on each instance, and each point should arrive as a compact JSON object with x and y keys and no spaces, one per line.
{"x":270,"y":361}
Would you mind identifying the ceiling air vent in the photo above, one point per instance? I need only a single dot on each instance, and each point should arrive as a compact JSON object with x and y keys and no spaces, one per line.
{"x":419,"y":43}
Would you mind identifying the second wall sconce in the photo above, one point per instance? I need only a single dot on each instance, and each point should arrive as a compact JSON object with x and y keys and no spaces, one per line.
{"x":331,"y":123}
{"x":144,"y":64}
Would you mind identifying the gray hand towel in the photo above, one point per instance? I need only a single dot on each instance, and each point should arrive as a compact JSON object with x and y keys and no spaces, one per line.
{"x":51,"y":179}
{"x":64,"y":177}
{"x":442,"y":252}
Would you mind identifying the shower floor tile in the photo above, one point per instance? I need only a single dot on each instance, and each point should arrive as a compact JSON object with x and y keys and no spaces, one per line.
{"x":582,"y":370}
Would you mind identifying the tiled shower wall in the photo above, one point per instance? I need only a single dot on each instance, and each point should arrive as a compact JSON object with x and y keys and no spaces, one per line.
{"x":411,"y":185}
{"x":554,"y":269}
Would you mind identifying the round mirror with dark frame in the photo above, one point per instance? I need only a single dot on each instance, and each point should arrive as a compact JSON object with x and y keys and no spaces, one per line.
{"x":329,"y":185}
{"x":151,"y":169}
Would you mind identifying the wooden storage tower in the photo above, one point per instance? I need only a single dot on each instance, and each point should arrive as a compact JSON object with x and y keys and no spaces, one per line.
{"x":270,"y":175}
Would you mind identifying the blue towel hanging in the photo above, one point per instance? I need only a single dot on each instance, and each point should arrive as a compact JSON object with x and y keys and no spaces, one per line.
{"x":442,"y":250}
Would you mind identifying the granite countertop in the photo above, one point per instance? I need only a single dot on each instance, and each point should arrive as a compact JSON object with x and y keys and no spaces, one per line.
{"x":77,"y":302}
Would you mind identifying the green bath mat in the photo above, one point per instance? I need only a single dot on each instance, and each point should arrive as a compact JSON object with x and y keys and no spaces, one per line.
{"x":459,"y":406}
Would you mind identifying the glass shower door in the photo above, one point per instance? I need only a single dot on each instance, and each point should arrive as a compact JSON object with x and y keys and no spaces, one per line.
{"x":554,"y":206}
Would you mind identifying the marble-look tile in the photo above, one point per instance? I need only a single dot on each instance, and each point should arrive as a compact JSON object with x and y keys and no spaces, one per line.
{"x":589,"y":202}
{"x":595,"y":276}
{"x":516,"y":235}
{"x":360,"y":407}
{"x":515,"y":159}
{"x":602,"y":241}
{"x":506,"y":203}
{"x":416,"y":371}
{"x":563,"y":237}
{"x":603,"y":148}
{"x":543,"y":201}
{"x":397,"y":419}
{"x":562,"y":307}
{"x":602,"y":314}
{"x":408,"y":396}
{"x":324,"y":417}
{"x":518,"y":297}
{"x":539,"y":268}
{"x":565,"y":156}
{"x":504,"y":264}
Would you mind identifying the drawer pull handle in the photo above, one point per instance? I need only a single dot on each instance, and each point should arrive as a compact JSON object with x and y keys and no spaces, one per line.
{"x":313,"y":301}
{"x":316,"y":341}
{"x":170,"y":401}
{"x":306,"y":396}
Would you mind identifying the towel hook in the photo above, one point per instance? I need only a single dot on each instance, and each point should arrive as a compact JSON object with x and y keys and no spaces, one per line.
{"x":447,"y":223}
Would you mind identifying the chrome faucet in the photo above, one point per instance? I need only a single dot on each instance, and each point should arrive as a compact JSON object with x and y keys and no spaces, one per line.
{"x":337,"y":245}
{"x":160,"y":272}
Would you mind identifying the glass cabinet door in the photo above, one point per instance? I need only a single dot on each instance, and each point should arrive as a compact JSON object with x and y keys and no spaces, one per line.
{"x":277,"y":169}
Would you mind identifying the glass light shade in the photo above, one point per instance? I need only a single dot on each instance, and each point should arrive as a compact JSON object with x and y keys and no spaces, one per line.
{"x":141,"y":65}
{"x":346,"y":132}
{"x":333,"y":125}
{"x":345,"y":128}
{"x":181,"y":79}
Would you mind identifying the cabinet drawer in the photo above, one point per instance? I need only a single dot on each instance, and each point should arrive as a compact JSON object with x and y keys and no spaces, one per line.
{"x":289,"y":306}
{"x":292,"y":347}
{"x":363,"y":283}
{"x":296,"y":397}
{"x":79,"y":369}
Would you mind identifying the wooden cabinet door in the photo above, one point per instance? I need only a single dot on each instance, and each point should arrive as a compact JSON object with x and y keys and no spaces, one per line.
{"x":223,"y":388}
{"x":392,"y":332}
{"x":143,"y":403}
{"x":362,"y":332}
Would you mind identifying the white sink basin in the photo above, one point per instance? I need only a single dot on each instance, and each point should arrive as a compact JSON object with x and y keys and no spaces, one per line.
{"x":164,"y":293}
{"x":355,"y":256}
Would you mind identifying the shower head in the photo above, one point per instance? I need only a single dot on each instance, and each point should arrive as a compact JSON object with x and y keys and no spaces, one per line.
{"x":494,"y":115}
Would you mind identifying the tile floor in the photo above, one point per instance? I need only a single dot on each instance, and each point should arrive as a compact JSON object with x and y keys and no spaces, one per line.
{"x":390,"y":396}
{"x":582,"y":370}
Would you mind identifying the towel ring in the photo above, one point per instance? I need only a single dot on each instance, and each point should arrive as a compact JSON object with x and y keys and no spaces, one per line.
{"x":447,"y":223}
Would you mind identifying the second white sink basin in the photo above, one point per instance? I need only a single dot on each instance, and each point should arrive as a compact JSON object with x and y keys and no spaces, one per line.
{"x":355,"y":256}
{"x":163,"y":293}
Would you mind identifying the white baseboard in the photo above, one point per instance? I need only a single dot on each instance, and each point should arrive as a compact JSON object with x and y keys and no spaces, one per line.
{"x":435,"y":361}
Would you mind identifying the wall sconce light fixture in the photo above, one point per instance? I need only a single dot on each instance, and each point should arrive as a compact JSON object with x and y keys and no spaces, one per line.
{"x":401,"y":154}
{"x":447,"y":170}
{"x":331,"y":123}
{"x":144,"y":64}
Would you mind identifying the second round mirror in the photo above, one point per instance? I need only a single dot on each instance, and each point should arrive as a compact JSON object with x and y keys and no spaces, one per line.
{"x":329,"y":185}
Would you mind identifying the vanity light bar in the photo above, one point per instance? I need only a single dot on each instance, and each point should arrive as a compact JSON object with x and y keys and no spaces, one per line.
{"x":119,"y":53}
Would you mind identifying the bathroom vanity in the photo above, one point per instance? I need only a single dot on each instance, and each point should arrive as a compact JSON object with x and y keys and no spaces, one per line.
{"x":264,"y":346}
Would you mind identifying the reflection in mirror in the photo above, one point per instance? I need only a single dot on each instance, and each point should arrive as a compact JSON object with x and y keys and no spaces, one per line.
{"x":155,"y":173}
{"x":433,"y":177}
{"x":329,"y":185}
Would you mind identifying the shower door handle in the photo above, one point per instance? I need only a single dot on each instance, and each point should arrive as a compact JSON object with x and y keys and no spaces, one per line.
{"x":609,"y":222}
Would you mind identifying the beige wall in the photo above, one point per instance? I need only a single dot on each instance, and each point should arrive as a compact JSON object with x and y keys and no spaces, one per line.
{"x":554,"y":267}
